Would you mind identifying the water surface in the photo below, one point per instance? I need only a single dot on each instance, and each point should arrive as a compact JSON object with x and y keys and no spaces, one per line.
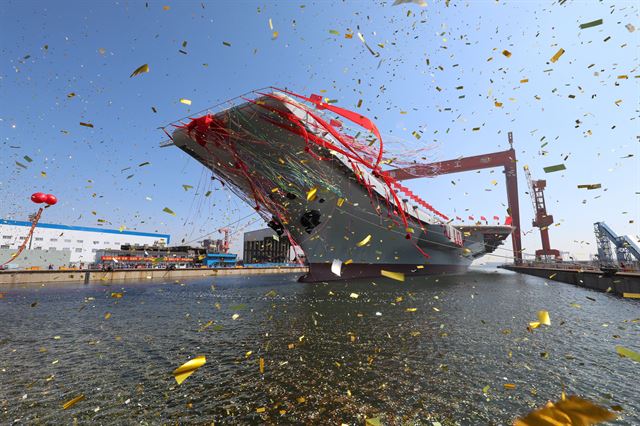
{"x":330,"y":358}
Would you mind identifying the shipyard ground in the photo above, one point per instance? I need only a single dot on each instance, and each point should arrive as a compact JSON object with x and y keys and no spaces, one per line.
{"x":140,"y":275}
{"x":622,"y":283}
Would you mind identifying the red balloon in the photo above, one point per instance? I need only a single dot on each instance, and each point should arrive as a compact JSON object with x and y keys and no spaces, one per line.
{"x":50,"y":199}
{"x":38,"y":197}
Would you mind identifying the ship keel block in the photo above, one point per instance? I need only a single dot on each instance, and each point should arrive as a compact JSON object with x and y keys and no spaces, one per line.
{"x":322,"y":271}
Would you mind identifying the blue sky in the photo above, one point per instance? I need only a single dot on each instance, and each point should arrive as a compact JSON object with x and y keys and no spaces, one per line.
{"x":92,"y":48}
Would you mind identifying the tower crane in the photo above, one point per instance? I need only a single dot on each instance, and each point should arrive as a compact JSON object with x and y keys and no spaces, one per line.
{"x":225,"y":242}
{"x":542,"y":220}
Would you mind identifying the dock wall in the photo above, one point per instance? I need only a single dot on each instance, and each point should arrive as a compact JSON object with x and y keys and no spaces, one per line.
{"x":92,"y":276}
{"x":620,"y":283}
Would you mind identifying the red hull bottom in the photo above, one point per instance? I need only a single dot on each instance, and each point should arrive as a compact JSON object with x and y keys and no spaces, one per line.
{"x":322,"y":271}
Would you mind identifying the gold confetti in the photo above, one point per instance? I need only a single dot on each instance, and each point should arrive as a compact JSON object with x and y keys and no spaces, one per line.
{"x":86,"y":124}
{"x":72,"y":402}
{"x":354,"y":295}
{"x":524,"y":80}
{"x":567,"y":412}
{"x":506,"y":53}
{"x":555,"y":57}
{"x":116,"y":295}
{"x":628,"y":353}
{"x":185,"y":101}
{"x":168,"y":210}
{"x":261,"y":410}
{"x":398,"y":276}
{"x":543,"y":317}
{"x":226,"y":43}
{"x":187,"y":369}
{"x":107,"y":315}
{"x":509,"y":386}
{"x":311,"y":195}
{"x":411,"y":309}
{"x":141,"y":69}
{"x":498,"y":104}
{"x":261,"y":365}
{"x":365,"y":241}
{"x":340,"y":202}
{"x":166,"y":7}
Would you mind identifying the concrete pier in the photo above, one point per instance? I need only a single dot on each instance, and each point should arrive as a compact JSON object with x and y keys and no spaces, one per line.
{"x":626,"y":284}
{"x":97,"y":276}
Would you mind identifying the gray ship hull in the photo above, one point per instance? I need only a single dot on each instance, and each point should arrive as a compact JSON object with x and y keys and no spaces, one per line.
{"x":324,"y":207}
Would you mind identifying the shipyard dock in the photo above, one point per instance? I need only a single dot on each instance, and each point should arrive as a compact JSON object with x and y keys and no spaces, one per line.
{"x":622,"y":283}
{"x":102,"y":276}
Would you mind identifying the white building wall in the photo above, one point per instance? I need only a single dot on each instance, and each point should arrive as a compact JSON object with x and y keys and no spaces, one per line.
{"x":83,"y":243}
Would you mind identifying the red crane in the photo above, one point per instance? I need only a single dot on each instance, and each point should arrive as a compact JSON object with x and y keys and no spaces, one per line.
{"x":505,"y":159}
{"x":542,"y":220}
{"x":225,"y":242}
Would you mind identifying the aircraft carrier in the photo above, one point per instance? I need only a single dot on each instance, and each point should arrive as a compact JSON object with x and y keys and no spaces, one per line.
{"x":327,"y":191}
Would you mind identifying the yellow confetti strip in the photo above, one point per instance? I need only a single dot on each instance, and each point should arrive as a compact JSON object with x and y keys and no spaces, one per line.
{"x":107,"y":315}
{"x":365,"y":241}
{"x":261,"y":365}
{"x":185,"y":101}
{"x":555,"y":57}
{"x":631,"y":295}
{"x":411,"y":309}
{"x":506,"y":53}
{"x":340,"y":202}
{"x":187,"y":369}
{"x":116,"y":295}
{"x":72,"y":402}
{"x":569,"y":411}
{"x":354,"y":295}
{"x":543,"y":317}
{"x":86,"y":124}
{"x":398,"y":276}
{"x":311,"y":195}
{"x":141,"y":68}
{"x":168,"y":210}
{"x":509,"y":386}
{"x":628,"y":353}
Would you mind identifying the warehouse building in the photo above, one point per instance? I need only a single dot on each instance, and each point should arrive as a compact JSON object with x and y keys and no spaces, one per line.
{"x":265,"y":247}
{"x":82,"y":242}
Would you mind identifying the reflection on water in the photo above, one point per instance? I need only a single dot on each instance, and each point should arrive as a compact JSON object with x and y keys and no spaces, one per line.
{"x":330,"y":358}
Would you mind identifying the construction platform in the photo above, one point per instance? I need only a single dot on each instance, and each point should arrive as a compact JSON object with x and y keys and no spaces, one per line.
{"x":621,"y":283}
{"x":141,"y":275}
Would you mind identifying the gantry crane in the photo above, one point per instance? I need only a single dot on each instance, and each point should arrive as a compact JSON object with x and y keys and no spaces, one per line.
{"x":626,"y":250}
{"x":542,"y":220}
{"x":505,"y":159}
